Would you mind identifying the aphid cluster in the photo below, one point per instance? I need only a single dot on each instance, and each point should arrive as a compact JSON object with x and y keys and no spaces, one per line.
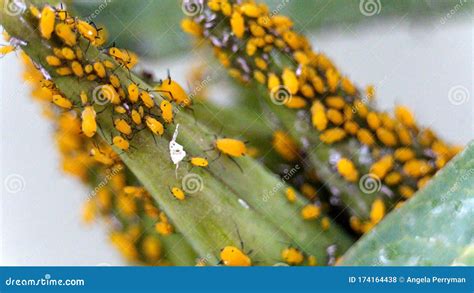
{"x":134,"y":108}
{"x":403,"y":156}
{"x":119,"y":200}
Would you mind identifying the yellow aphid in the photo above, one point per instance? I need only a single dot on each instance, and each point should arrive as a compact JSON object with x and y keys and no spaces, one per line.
{"x":234,"y":257}
{"x":325,"y":223}
{"x":290,"y":194}
{"x":348,"y":86}
{"x":89,"y":211}
{"x":309,"y":191}
{"x":332,"y":78}
{"x":88,"y":68}
{"x":66,"y":34}
{"x":355,"y":224}
{"x":174,"y":92}
{"x":417,"y":168}
{"x":99,"y":69}
{"x":109,"y":92}
{"x":292,"y":256}
{"x":386,"y":137}
{"x":377,"y":211}
{"x":191,"y":27}
{"x":178,"y":193}
{"x":151,"y":248}
{"x":290,"y":80}
{"x":273,"y":82}
{"x":285,"y":146}
{"x":259,"y":76}
{"x":318,"y":84}
{"x":365,"y":137}
{"x":101,"y":157}
{"x":114,"y":81}
{"x":63,"y":71}
{"x":133,"y":92}
{"x":154,"y":125}
{"x":89,"y":124}
{"x":47,"y":20}
{"x":404,"y":154}
{"x":393,"y":178}
{"x":336,"y":102}
{"x":136,"y":117}
{"x":237,"y":24}
{"x":147,"y":99}
{"x":35,"y":11}
{"x":405,"y":116}
{"x":382,"y":166}
{"x":406,"y":191}
{"x":373,"y":120}
{"x":346,"y":168}
{"x":423,"y":181}
{"x":77,"y":69}
{"x":53,"y":60}
{"x":295,"y":102}
{"x":164,"y":228}
{"x":332,"y":135}
{"x":250,"y":10}
{"x":166,"y":111}
{"x":404,"y":135}
{"x":335,"y":116}
{"x":312,"y":260}
{"x":68,"y":53}
{"x":62,"y":102}
{"x":231,"y":147}
{"x":121,"y":143}
{"x":4,"y":50}
{"x":351,"y":127}
{"x":122,"y":126}
{"x":361,"y":108}
{"x":310,"y":212}
{"x":318,"y":116}
{"x":109,"y":64}
{"x":87,"y":30}
{"x":199,"y":162}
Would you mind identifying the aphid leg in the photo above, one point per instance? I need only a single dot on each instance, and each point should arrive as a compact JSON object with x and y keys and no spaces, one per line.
{"x":235,"y":162}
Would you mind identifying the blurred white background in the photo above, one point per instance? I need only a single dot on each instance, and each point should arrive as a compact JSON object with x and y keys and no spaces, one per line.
{"x":416,"y":65}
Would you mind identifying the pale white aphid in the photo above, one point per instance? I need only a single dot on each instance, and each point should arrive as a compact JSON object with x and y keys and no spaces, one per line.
{"x":177,"y":152}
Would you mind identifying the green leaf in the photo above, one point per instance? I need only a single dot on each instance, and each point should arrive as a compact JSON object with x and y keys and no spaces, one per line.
{"x":435,"y":227}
